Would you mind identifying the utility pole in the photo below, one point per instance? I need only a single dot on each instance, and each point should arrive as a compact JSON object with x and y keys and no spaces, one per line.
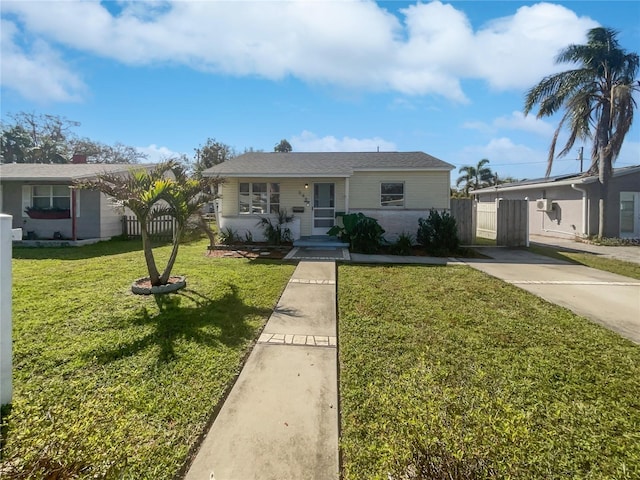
{"x":580,"y":157}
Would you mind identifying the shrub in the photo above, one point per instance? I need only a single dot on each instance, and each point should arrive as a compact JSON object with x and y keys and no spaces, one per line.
{"x":228,"y":236}
{"x":403,"y":245}
{"x":276,"y":230}
{"x":438,"y":234}
{"x":364,"y":234}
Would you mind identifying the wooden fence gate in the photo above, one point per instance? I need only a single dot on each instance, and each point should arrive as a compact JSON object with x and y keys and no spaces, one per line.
{"x":505,"y":221}
{"x":512,"y":223}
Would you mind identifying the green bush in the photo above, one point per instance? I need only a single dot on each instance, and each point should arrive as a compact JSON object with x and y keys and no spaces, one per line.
{"x":276,"y":230}
{"x":364,"y":234}
{"x":403,"y":245}
{"x":438,"y":234}
{"x":229,"y":236}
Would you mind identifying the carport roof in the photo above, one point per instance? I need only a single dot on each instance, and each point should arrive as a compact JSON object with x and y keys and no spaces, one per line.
{"x":557,"y":181}
{"x":324,"y":164}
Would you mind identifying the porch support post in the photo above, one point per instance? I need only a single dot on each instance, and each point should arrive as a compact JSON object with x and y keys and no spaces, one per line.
{"x":346,"y":195}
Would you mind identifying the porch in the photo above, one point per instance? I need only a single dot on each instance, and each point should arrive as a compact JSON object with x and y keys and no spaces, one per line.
{"x":319,"y":247}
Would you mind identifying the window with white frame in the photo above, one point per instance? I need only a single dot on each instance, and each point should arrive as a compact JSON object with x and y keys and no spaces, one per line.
{"x":258,"y":198}
{"x":51,"y":196}
{"x":392,"y":194}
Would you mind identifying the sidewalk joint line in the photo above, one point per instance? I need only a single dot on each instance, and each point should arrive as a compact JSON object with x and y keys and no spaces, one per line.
{"x":298,"y":339}
{"x":312,"y":282}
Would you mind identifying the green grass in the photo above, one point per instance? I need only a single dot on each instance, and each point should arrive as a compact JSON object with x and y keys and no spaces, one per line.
{"x":620,"y":267}
{"x":448,"y":373}
{"x":110,"y":384}
{"x":485,"y":242}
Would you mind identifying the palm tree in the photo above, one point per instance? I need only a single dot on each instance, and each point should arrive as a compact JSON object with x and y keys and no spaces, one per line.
{"x":474,"y":177}
{"x":597,"y":96}
{"x":164,"y":190}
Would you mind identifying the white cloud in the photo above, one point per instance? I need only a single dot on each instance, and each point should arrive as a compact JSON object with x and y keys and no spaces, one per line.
{"x":157,"y":154}
{"x":515,"y":121}
{"x":516,"y":51}
{"x":518,"y":121}
{"x":310,"y":142}
{"x":38,"y":74}
{"x":429,"y":49}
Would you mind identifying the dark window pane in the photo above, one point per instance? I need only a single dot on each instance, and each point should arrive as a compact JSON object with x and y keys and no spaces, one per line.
{"x":60,"y":202}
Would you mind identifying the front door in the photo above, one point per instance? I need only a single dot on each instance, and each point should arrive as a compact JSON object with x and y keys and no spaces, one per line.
{"x":629,"y":214}
{"x":324,"y":207}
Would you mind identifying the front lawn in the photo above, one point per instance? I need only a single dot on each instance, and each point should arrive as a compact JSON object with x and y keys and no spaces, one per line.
{"x":109,"y":384}
{"x":448,"y":373}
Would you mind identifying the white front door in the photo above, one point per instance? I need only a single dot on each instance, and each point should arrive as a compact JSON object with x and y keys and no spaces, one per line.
{"x":629,"y":214}
{"x":324,"y":207}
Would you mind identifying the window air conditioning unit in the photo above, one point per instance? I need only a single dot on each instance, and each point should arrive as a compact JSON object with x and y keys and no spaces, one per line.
{"x":544,"y":205}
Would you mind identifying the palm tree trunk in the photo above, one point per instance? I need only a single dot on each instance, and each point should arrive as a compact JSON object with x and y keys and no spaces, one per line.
{"x":154,"y":275}
{"x":605,"y":159}
{"x":604,"y":173}
{"x":164,"y":278}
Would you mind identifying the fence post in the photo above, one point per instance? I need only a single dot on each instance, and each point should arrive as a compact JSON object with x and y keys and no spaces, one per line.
{"x":6,"y":380}
{"x":463,"y":210}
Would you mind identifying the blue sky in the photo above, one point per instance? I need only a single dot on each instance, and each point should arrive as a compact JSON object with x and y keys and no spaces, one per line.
{"x":446,"y":78}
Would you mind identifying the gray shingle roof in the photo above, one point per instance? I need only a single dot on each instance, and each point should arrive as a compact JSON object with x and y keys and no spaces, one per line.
{"x":66,"y":172}
{"x":323,"y":164}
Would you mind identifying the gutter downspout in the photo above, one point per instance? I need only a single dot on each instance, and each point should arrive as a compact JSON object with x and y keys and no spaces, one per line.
{"x":585,"y":217}
{"x":74,"y":225}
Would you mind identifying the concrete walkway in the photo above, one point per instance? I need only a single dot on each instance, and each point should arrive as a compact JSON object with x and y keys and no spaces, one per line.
{"x":606,"y":298}
{"x":280,"y":420}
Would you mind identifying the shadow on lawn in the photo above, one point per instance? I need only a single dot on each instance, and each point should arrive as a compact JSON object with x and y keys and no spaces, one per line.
{"x":192,"y":323}
{"x":100,"y":249}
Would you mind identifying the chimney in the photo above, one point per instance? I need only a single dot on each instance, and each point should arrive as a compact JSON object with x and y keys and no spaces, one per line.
{"x":79,"y":159}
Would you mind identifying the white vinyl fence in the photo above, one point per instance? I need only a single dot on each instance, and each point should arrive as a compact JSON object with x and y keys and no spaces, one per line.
{"x":6,"y":383}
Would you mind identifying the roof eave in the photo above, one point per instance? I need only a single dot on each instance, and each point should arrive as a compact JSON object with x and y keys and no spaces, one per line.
{"x":404,"y":169}
{"x":276,"y":175}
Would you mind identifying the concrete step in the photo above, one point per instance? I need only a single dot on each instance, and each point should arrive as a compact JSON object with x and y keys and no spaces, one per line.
{"x":320,"y":241}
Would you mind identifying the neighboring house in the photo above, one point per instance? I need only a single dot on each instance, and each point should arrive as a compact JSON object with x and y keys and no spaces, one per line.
{"x":85,"y":214}
{"x":567,"y":206}
{"x":396,"y":188}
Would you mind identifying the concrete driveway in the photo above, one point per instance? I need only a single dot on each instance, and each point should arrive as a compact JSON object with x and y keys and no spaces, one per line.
{"x":608,"y":299}
{"x":627,"y":253}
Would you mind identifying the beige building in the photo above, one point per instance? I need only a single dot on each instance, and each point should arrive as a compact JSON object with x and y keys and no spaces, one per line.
{"x":396,"y":188}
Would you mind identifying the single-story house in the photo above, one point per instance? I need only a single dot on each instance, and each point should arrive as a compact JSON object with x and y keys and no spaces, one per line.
{"x":40,"y":199}
{"x":567,"y":205}
{"x":396,"y":188}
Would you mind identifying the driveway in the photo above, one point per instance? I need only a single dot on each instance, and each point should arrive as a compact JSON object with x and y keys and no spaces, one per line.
{"x":606,"y":298}
{"x":627,"y":253}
